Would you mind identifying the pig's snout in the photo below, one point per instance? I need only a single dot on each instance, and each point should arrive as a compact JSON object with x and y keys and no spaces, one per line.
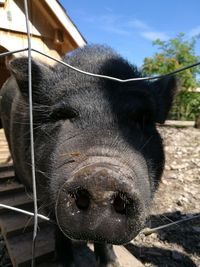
{"x":99,"y":205}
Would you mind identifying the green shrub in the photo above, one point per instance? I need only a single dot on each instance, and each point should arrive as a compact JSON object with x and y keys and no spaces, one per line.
{"x":186,"y":106}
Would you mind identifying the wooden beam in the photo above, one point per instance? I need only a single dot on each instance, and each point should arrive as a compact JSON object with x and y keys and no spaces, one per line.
{"x":176,"y":123}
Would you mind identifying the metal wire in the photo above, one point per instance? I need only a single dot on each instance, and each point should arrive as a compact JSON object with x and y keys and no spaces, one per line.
{"x":104,"y":76}
{"x":149,"y":231}
{"x":117,"y":79}
{"x":13,"y":52}
{"x":24,"y":211}
{"x":31,"y":135}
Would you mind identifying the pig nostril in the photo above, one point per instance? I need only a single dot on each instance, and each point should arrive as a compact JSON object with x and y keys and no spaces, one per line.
{"x":119,"y":204}
{"x":82,"y":199}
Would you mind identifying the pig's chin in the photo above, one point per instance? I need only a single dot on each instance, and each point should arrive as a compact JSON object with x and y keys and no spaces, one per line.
{"x":100,"y":203}
{"x":119,"y":238}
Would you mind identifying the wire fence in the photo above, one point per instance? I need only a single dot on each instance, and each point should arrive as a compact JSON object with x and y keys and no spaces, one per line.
{"x":30,"y":50}
{"x":99,"y":75}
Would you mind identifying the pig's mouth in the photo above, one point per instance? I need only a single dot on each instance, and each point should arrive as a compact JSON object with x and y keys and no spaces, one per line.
{"x":99,"y":204}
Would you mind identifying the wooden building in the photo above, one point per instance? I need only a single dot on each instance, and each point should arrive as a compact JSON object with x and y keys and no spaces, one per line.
{"x":52,"y":30}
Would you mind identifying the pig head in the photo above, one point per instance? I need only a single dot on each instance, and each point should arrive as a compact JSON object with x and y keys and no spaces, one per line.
{"x":99,"y":157}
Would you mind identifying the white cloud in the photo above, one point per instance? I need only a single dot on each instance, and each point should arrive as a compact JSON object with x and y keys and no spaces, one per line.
{"x":112,"y":23}
{"x":117,"y":30}
{"x":153,"y":35}
{"x":108,"y":9}
{"x":124,"y":26}
{"x":195,"y":31}
{"x":138,"y":24}
{"x":146,"y":31}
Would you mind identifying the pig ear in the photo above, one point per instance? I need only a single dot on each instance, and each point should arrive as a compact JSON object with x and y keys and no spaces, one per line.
{"x":163,"y":92}
{"x":19,"y":69}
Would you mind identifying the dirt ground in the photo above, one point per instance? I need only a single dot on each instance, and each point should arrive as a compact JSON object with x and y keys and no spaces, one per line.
{"x":178,"y":197}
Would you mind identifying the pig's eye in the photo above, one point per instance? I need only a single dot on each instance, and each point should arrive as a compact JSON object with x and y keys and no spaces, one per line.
{"x":142,"y":119}
{"x":142,"y":116}
{"x":63,"y":113}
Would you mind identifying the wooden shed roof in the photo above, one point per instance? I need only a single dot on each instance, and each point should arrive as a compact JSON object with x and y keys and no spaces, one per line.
{"x":49,"y":25}
{"x":61,"y":15}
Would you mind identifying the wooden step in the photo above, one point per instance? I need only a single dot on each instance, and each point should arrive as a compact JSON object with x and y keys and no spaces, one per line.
{"x":20,"y":247}
{"x":11,"y":186}
{"x":15,"y":223}
{"x":6,"y":175}
{"x":18,"y":199}
{"x":4,"y":149}
{"x":6,"y":167}
{"x":3,"y":143}
{"x":4,"y":156}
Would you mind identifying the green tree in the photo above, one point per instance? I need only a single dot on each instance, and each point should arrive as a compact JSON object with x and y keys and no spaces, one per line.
{"x":175,"y":53}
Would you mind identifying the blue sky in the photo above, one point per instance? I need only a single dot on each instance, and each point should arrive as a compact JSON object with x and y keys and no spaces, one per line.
{"x":130,"y":26}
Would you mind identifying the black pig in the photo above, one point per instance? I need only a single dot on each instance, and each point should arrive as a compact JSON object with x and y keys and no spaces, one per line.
{"x":99,"y":157}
